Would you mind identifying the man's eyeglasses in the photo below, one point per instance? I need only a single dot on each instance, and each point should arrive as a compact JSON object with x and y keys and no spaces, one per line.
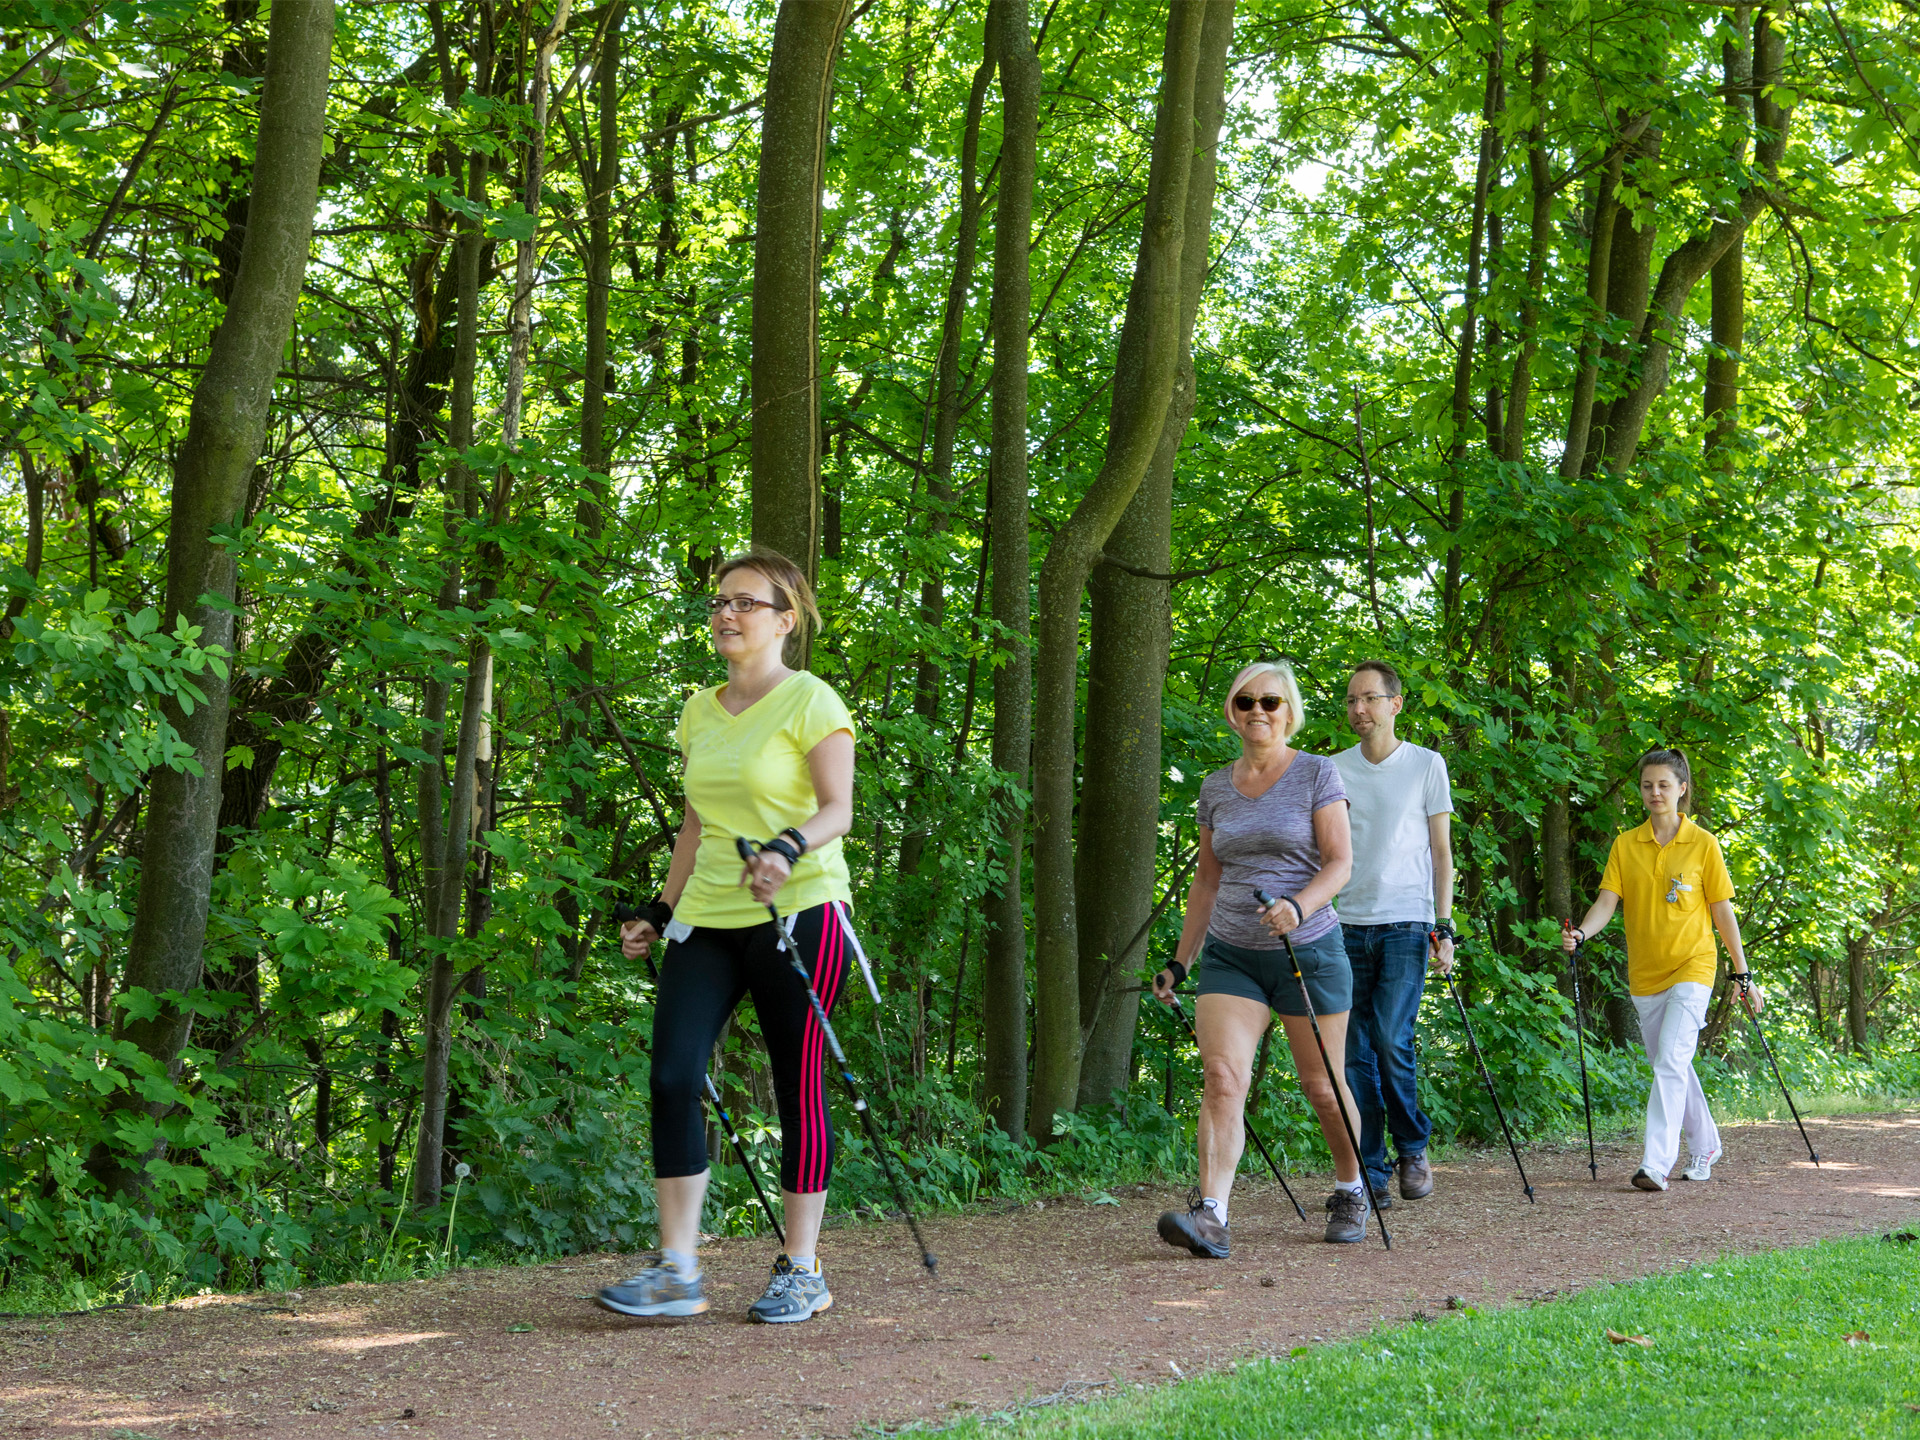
{"x":1367,"y":699}
{"x":737,"y":604}
{"x":1268,"y":703}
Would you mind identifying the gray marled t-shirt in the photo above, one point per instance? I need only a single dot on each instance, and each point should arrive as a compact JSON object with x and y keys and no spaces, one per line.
{"x":1269,"y":843}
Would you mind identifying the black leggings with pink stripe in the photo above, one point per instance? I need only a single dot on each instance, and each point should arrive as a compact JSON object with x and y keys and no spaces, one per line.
{"x":702,"y":980}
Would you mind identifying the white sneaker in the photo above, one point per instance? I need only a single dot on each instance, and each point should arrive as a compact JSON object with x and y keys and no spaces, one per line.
{"x":1645,"y":1179}
{"x":1700,"y":1167}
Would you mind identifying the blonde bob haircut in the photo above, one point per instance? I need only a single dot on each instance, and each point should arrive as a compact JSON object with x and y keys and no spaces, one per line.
{"x":1283,"y":681}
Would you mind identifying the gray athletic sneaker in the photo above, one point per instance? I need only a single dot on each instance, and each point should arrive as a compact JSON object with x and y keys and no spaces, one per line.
{"x":1416,"y":1178}
{"x":1346,"y":1217}
{"x":791,"y":1295}
{"x":656,"y":1290}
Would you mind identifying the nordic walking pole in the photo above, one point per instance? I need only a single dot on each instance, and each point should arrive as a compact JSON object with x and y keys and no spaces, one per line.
{"x":747,"y":850}
{"x":1580,"y":1035}
{"x":623,"y":913}
{"x":726,"y":1123}
{"x":1745,"y":978}
{"x":1486,"y":1075}
{"x":1267,"y":902}
{"x":1252,"y":1134}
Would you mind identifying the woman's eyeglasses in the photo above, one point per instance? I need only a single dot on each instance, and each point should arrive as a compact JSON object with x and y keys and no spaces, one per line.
{"x":737,"y":604}
{"x":1268,"y":703}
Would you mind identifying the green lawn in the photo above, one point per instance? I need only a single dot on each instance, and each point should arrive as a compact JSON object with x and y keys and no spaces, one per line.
{"x":1741,"y":1347}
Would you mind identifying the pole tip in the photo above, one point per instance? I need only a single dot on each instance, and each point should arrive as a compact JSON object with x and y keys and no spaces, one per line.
{"x":930,"y":1263}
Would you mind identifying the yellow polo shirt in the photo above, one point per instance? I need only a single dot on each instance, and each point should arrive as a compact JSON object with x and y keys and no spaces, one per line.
{"x":747,"y":774}
{"x":1664,"y":893}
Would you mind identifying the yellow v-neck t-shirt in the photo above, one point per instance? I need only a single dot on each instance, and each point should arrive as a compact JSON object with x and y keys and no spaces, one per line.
{"x":1664,"y":893}
{"x":747,"y":774}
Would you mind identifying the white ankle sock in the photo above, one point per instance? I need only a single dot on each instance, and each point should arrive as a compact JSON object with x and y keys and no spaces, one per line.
{"x":685,"y":1263}
{"x":805,"y":1262}
{"x":1352,"y":1187}
{"x":1219,"y":1208}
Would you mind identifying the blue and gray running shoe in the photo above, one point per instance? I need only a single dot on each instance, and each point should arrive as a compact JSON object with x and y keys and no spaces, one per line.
{"x":656,"y":1290}
{"x":791,"y":1295}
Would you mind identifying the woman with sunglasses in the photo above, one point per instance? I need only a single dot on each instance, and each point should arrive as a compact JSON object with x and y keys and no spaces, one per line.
{"x":1671,"y":880}
{"x":1274,"y":820}
{"x":769,"y":753}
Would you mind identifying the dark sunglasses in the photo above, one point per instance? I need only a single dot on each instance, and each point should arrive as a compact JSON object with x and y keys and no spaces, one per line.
{"x":1268,"y":703}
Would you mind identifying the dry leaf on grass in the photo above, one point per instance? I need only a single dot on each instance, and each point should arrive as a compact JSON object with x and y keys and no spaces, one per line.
{"x":1617,"y":1338}
{"x":1857,"y":1337}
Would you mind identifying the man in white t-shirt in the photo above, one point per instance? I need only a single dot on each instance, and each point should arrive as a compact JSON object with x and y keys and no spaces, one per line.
{"x":1395,"y":916}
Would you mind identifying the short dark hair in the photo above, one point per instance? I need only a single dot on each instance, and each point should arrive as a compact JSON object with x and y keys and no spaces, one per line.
{"x":1389,"y":676}
{"x":1671,"y":757}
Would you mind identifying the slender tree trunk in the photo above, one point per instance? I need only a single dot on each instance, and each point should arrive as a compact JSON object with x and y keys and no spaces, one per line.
{"x":1130,"y":632}
{"x":1463,"y":358}
{"x":1003,"y":970}
{"x":946,"y":430}
{"x":1513,"y":443}
{"x":1858,"y":947}
{"x":1142,"y":387}
{"x":224,"y":433}
{"x":600,"y":162}
{"x":465,"y":810}
{"x":1586,"y":365}
{"x":785,"y":371}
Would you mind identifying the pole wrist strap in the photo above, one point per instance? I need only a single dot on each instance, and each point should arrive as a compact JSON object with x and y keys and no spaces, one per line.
{"x":783,"y":847}
{"x":800,"y":844}
{"x":1179,"y":973}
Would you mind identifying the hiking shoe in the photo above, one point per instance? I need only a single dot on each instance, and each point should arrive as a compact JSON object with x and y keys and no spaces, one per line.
{"x":1346,"y":1217}
{"x":1700,"y":1167}
{"x":1198,"y":1231}
{"x":656,"y":1290}
{"x":1645,"y":1179}
{"x":1382,"y":1195}
{"x":1416,"y":1179}
{"x":791,"y":1295}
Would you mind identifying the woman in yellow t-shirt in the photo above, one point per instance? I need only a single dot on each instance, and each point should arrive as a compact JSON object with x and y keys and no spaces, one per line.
{"x":769,"y":753}
{"x":1672,"y":881}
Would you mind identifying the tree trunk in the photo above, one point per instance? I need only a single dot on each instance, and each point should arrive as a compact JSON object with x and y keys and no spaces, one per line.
{"x":1003,"y":970}
{"x":946,"y":431}
{"x":465,"y":809}
{"x":1586,"y":365}
{"x":785,"y":371}
{"x":1130,"y":632}
{"x":1142,"y":387}
{"x":1463,"y":357}
{"x":1858,"y":948}
{"x":1513,"y":443}
{"x":224,"y":432}
{"x":1690,"y":262}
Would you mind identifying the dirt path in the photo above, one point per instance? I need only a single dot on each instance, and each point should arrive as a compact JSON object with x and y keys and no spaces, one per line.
{"x":1038,"y":1301}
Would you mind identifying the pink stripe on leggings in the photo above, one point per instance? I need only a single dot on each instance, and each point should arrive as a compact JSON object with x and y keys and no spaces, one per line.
{"x":829,"y":968}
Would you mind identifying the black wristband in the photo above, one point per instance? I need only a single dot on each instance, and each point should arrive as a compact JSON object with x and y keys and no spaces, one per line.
{"x":1179,"y":973}
{"x":1745,"y":977}
{"x":783,"y":847}
{"x":1299,"y":915}
{"x":1445,"y":927}
{"x":656,"y":912}
{"x":800,"y":841}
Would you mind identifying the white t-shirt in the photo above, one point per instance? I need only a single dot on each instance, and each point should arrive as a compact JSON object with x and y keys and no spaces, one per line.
{"x":1392,"y":849}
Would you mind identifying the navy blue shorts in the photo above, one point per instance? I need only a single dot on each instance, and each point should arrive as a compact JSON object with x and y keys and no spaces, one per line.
{"x":1267,"y":975}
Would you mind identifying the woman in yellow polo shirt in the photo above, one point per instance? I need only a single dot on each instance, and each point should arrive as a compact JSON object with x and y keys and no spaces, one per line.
{"x":769,"y":753}
{"x":1672,"y":881}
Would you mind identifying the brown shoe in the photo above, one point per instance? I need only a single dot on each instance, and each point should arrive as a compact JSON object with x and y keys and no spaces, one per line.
{"x":1416,"y":1177}
{"x":1346,"y":1217}
{"x":1197,"y":1230}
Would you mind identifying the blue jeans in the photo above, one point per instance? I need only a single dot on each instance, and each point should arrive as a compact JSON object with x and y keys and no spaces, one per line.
{"x":1389,"y":973}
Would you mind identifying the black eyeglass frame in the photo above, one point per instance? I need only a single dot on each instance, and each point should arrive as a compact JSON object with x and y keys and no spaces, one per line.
{"x":1269,"y":703}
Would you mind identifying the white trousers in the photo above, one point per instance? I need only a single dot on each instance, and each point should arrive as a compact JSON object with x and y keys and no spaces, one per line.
{"x":1670,"y":1025}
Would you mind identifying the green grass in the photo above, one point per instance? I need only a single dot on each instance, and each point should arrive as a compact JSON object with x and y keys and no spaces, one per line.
{"x":1755,"y":1346}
